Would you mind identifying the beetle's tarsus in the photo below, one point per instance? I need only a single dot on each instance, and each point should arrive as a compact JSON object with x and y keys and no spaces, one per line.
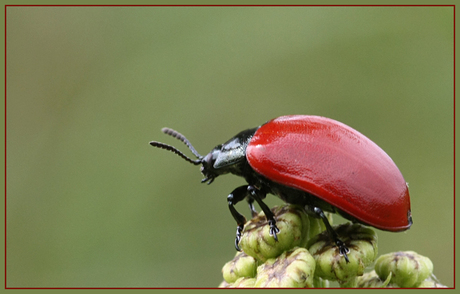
{"x":273,"y":229}
{"x":343,"y":249}
{"x":239,"y":230}
{"x":236,"y":245}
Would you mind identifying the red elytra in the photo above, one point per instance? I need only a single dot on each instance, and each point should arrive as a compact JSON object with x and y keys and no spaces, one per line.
{"x":337,"y":164}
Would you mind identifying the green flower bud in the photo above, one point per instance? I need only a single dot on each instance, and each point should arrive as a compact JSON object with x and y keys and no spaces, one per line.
{"x":372,"y":280}
{"x":350,"y":283}
{"x":293,"y":224}
{"x":431,"y":282}
{"x":408,"y":268}
{"x":239,"y":283}
{"x":243,"y":283}
{"x":330,"y":265}
{"x":294,"y":269}
{"x":320,"y":283}
{"x":241,"y":266}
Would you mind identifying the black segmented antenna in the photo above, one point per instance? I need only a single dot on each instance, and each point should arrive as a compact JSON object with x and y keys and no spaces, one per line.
{"x":184,"y":140}
{"x":181,"y":138}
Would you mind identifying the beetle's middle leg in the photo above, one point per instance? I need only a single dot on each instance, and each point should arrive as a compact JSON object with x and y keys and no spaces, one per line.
{"x":258,"y":196}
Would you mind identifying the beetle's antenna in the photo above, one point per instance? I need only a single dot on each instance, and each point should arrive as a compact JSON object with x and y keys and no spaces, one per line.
{"x":173,"y":149}
{"x":181,"y":138}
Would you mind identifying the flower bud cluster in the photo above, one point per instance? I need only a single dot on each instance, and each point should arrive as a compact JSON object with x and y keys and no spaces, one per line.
{"x":305,"y":256}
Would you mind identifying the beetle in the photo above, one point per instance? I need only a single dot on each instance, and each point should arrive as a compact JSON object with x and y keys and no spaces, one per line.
{"x":313,"y":161}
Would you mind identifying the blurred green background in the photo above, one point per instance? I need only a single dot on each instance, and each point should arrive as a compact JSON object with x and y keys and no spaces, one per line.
{"x":91,"y":204}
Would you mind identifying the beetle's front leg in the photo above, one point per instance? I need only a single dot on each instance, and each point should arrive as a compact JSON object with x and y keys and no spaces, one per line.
{"x":233,"y":198}
{"x":258,"y":196}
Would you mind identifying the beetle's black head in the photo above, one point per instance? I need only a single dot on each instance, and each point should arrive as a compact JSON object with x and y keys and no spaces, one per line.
{"x":208,"y":161}
{"x":224,"y":158}
{"x":207,"y":168}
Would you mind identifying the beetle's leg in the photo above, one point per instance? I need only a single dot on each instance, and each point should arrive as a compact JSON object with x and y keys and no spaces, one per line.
{"x":342,"y":247}
{"x":256,"y":194}
{"x":233,"y":198}
{"x":254,"y":212}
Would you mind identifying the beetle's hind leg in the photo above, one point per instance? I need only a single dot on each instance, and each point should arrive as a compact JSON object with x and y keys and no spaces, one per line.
{"x":343,"y":249}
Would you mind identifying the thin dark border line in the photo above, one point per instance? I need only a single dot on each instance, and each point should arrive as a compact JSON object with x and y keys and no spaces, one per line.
{"x":454,"y":259}
{"x":5,"y":152}
{"x":216,"y":5}
{"x":229,"y":5}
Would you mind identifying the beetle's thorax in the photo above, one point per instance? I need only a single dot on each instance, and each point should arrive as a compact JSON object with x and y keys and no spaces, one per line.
{"x":229,"y":157}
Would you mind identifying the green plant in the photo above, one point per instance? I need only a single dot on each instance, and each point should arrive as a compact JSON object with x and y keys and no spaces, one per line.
{"x":305,"y":257}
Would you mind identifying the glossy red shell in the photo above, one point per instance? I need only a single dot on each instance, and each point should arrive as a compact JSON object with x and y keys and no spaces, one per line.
{"x":335,"y":163}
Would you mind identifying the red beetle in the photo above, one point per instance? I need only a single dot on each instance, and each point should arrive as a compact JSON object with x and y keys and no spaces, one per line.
{"x":312,"y":161}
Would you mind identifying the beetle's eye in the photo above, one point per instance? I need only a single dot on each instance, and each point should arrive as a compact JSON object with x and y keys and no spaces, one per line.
{"x":205,"y":171}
